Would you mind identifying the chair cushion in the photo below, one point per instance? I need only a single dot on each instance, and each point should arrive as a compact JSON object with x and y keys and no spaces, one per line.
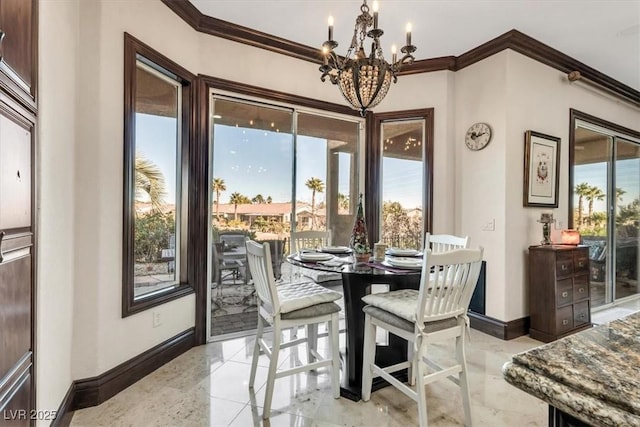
{"x":402,"y":303}
{"x":294,"y":296}
{"x":321,"y":276}
{"x":401,"y":323}
{"x":313,"y":311}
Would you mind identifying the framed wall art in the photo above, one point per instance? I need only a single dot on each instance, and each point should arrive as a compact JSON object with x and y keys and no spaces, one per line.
{"x":541,"y":169}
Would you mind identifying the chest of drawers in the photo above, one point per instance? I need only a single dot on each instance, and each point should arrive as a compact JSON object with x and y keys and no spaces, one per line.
{"x":559,"y":302}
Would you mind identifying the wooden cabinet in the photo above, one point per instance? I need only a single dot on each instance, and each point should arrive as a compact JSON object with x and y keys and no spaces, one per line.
{"x":559,"y":302}
{"x":17,"y":249}
{"x":18,"y":49}
{"x":18,"y":109}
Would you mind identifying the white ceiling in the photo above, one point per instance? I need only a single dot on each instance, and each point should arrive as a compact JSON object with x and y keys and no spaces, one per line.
{"x":603,"y":34}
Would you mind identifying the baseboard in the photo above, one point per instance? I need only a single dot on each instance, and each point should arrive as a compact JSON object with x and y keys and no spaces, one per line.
{"x":498,"y":328}
{"x":65,"y":410}
{"x":93,"y":391}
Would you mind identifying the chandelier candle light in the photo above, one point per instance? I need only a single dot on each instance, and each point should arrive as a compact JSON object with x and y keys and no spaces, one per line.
{"x":363,"y":79}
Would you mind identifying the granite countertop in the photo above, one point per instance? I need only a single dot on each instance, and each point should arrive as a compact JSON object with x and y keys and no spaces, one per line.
{"x":593,"y":375}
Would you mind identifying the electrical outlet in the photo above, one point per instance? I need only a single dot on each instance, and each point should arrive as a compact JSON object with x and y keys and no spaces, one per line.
{"x":157,"y":319}
{"x":489,"y":226}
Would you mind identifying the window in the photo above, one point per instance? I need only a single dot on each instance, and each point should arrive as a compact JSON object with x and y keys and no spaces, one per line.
{"x":399,"y":178}
{"x":155,"y":216}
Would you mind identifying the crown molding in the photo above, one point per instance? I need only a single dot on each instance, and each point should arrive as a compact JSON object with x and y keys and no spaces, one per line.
{"x":514,"y":40}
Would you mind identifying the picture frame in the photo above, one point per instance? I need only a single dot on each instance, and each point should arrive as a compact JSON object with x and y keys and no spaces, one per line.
{"x":541,"y":170}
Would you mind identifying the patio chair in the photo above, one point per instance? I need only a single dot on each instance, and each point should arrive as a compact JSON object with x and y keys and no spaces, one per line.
{"x":290,"y":305}
{"x":223,"y":270}
{"x":436,"y":312}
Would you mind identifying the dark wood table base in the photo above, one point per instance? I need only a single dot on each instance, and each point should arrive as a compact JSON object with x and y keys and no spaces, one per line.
{"x":558,"y":418}
{"x":355,"y":286}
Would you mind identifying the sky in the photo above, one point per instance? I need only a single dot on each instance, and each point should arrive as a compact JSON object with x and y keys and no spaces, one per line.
{"x":627,"y":178}
{"x":156,"y":141}
{"x":240,"y":159}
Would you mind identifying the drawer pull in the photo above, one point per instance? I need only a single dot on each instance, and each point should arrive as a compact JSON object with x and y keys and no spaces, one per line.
{"x":582,"y":316}
{"x":581,"y":290}
{"x":565,"y":294}
{"x":564,"y":267}
{"x":580,"y":264}
{"x":565,"y":322}
{"x":2,"y":233}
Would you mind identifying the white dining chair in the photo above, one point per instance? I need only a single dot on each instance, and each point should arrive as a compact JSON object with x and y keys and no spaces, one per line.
{"x":314,"y":240}
{"x":444,"y":242}
{"x":435,"y":312}
{"x":311,"y":239}
{"x":291,"y":305}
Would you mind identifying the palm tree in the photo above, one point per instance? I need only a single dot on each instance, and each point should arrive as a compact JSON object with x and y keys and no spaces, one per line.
{"x":269,"y":200}
{"x":218,"y":187}
{"x":619,"y":193}
{"x":258,"y":199}
{"x":236,"y":199}
{"x":315,"y":185}
{"x":581,"y":190}
{"x":592,"y":195}
{"x":150,"y":181}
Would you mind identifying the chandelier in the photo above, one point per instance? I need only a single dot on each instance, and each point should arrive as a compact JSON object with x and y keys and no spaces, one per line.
{"x":364,"y":80}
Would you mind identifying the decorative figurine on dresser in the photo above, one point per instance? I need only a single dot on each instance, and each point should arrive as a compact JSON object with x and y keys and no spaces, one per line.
{"x":559,"y":302}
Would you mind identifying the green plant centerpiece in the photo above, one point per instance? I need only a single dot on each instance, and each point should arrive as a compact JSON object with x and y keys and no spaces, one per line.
{"x":359,"y":239}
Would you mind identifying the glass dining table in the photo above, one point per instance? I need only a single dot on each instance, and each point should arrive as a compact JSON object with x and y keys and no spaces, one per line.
{"x":357,"y":279}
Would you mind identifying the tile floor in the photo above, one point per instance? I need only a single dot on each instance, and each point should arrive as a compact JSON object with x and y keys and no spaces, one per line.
{"x":207,"y":386}
{"x":600,"y":316}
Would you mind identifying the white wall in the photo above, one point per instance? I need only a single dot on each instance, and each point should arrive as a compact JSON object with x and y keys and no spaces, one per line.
{"x":102,"y":338}
{"x":514,"y":93}
{"x":56,"y":134}
{"x":480,"y":96}
{"x":539,"y":98}
{"x":98,"y":325}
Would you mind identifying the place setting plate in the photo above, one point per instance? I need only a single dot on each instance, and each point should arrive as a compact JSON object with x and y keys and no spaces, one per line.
{"x":314,"y":256}
{"x":400,"y":252}
{"x":408,"y":263}
{"x":337,"y":250}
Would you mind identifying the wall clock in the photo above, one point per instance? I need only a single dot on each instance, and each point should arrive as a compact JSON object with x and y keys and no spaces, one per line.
{"x":478,"y":136}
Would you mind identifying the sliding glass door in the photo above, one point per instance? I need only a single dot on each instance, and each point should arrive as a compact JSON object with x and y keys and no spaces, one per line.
{"x":627,"y":217}
{"x":606,"y":208}
{"x":251,"y":170}
{"x":274,"y":170}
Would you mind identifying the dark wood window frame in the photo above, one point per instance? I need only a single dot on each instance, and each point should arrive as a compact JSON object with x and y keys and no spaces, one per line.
{"x":373,"y":159}
{"x":200,"y":158}
{"x":134,"y":48}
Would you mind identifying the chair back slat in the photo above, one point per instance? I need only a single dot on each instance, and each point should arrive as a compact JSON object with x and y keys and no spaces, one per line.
{"x":259,"y":259}
{"x":447,"y":283}
{"x":309,"y":239}
{"x":444,"y":242}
